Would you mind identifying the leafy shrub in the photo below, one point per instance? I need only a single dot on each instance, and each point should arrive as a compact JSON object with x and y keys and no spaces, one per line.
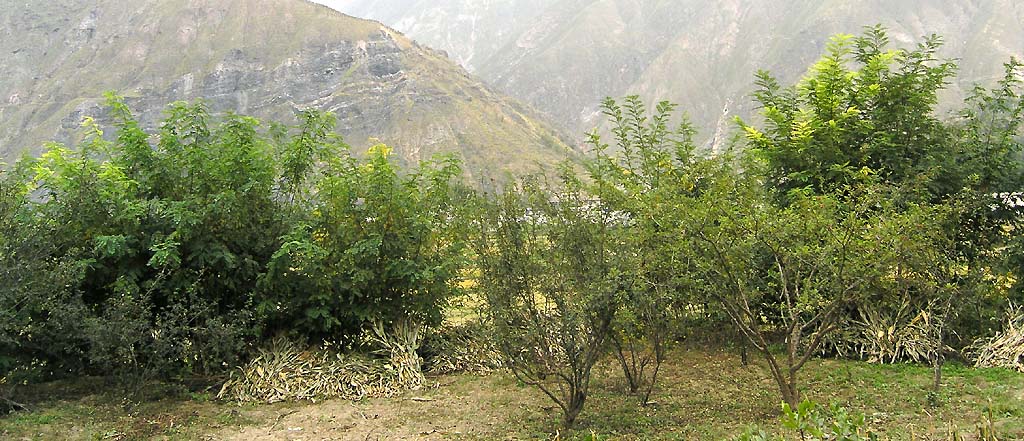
{"x":370,"y":244}
{"x":810,"y":421}
{"x":635,"y":185}
{"x":551,"y":272}
{"x":41,"y":315}
{"x":862,"y":124}
{"x":866,"y":114}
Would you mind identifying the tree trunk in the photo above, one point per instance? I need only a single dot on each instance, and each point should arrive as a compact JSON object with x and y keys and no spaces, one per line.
{"x":629,"y":368}
{"x":786,"y":381}
{"x":654,"y":378}
{"x":790,"y":393}
{"x":573,"y":409}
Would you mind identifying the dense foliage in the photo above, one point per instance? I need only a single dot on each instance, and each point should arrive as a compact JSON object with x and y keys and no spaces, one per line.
{"x":173,"y":253}
{"x":367,"y":245}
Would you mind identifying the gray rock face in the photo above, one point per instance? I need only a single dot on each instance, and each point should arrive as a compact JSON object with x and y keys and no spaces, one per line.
{"x":267,"y":58}
{"x":468,"y":31}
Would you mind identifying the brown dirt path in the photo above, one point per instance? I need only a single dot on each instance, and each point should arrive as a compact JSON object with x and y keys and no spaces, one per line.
{"x":467,"y":407}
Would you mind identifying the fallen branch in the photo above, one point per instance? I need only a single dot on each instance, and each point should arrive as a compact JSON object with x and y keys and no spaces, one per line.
{"x":14,"y":405}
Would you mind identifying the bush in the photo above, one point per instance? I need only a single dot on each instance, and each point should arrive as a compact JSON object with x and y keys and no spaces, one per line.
{"x":866,"y":114}
{"x":635,"y":184}
{"x":368,"y":245}
{"x":551,"y":272}
{"x":42,"y":317}
{"x":814,"y":422}
{"x":165,"y":241}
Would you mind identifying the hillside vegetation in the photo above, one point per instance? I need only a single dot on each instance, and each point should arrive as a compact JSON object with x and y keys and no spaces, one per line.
{"x":276,"y":263}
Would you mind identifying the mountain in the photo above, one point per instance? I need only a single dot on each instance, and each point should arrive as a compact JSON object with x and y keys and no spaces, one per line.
{"x":468,"y":31}
{"x":267,"y":58}
{"x":563,"y":56}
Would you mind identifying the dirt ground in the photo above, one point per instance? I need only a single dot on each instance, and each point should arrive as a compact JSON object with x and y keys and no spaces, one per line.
{"x":702,"y":394}
{"x":434,"y":413}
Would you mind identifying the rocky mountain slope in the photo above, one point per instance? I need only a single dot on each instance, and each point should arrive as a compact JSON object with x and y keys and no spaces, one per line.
{"x":468,"y":31}
{"x":267,"y":58}
{"x":563,"y":56}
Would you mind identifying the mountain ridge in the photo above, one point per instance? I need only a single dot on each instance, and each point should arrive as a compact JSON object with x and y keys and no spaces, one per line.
{"x":268,"y":58}
{"x":570,"y":54}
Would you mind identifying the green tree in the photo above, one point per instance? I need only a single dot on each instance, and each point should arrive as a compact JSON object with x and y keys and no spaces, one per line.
{"x":863,"y":109}
{"x":989,"y":172}
{"x":169,"y":237}
{"x":794,"y":271}
{"x":637,"y":180}
{"x":150,"y":254}
{"x":865,"y":114}
{"x":552,"y":273}
{"x":171,"y":254}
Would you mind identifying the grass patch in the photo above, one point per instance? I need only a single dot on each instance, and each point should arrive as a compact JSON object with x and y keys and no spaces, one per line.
{"x":703,"y":394}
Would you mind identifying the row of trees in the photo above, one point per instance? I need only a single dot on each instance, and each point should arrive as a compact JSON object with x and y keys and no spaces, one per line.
{"x":175,"y":253}
{"x":850,"y":201}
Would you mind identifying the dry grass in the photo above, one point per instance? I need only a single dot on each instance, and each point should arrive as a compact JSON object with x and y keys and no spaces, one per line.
{"x":285,"y":372}
{"x":1006,"y":349}
{"x":465,"y":348}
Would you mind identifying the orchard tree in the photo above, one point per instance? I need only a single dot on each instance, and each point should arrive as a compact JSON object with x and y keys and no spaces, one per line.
{"x":637,"y":180}
{"x":793,"y":271}
{"x":989,"y":168}
{"x":552,"y":272}
{"x":866,"y":113}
